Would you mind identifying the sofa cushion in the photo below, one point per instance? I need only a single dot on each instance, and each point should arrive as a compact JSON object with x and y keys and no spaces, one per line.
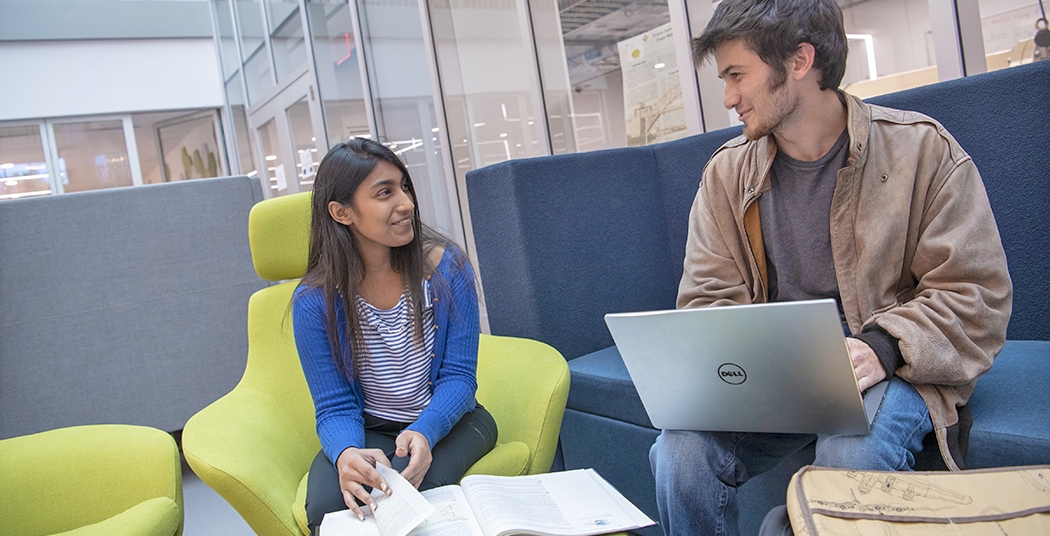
{"x":602,"y":386}
{"x":1011,"y":408}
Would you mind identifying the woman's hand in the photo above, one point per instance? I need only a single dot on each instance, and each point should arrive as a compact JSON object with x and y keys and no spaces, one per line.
{"x":356,"y":470}
{"x":412,"y":444}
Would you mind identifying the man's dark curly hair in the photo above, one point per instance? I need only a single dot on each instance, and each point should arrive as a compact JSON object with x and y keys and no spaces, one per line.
{"x":774,"y":29}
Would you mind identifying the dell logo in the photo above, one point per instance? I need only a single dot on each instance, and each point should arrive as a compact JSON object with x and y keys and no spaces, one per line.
{"x":732,"y":374}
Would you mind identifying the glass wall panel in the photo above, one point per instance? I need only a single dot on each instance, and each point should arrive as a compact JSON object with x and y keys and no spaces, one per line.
{"x":404,"y":107}
{"x":258,"y":73}
{"x":286,"y":34}
{"x":304,"y":145}
{"x":890,"y":46}
{"x":176,"y":146}
{"x":245,"y":149}
{"x":620,"y":61}
{"x":1009,"y":28}
{"x":336,"y":55}
{"x":488,"y":81}
{"x":227,"y":39}
{"x":147,"y":144}
{"x":188,"y":149}
{"x":92,"y":155}
{"x":275,"y":173}
{"x":23,"y":172}
{"x":557,"y":88}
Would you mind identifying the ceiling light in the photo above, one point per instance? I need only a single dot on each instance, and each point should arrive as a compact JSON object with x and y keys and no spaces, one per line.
{"x":313,"y":139}
{"x":8,"y":165}
{"x":503,"y":135}
{"x":479,"y":124}
{"x":271,"y":157}
{"x":435,"y":129}
{"x":11,"y":183}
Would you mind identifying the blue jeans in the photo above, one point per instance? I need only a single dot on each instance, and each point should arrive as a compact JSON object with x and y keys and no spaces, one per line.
{"x":697,"y":473}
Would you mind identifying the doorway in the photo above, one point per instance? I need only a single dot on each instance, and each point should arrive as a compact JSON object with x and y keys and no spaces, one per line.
{"x":289,"y":136}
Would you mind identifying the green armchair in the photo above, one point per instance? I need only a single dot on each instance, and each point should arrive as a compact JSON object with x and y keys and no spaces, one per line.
{"x":254,"y":445}
{"x":111,"y":480}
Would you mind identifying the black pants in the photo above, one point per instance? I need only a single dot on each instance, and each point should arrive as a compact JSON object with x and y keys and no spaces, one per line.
{"x":470,"y":439}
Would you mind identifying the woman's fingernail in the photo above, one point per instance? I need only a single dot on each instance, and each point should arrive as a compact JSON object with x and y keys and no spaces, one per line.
{"x":360,"y":516}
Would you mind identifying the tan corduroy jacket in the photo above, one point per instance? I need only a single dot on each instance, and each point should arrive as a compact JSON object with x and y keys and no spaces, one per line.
{"x":914,"y":242}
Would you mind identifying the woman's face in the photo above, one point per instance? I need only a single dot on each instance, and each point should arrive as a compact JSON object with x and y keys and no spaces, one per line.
{"x":382,"y":209}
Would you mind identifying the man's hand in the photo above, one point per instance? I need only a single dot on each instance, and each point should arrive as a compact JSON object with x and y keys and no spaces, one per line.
{"x":356,"y":470}
{"x":412,"y":444}
{"x":866,"y":364}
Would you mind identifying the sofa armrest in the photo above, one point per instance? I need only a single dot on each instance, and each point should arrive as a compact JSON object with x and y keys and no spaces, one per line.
{"x":104,"y":470}
{"x":251,"y":450}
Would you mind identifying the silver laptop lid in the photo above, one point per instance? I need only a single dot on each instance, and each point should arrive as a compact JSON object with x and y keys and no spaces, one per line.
{"x":776,"y":367}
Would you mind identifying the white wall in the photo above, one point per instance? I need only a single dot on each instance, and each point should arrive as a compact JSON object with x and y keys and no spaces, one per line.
{"x":66,"y":78}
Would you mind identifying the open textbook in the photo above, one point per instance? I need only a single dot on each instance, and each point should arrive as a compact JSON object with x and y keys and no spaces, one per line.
{"x":570,"y":503}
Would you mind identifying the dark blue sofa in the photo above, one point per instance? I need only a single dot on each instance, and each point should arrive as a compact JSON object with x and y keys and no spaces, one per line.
{"x":563,"y":240}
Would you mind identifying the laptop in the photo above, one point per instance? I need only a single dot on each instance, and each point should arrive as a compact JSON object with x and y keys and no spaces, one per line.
{"x":771,"y":367}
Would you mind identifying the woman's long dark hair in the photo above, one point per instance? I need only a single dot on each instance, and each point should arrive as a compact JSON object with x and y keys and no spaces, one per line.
{"x":335,"y":265}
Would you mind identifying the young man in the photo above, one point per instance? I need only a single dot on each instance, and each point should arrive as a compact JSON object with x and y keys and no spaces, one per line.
{"x":826,"y":196}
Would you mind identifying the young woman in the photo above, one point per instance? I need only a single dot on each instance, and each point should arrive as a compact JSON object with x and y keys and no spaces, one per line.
{"x":386,"y":324}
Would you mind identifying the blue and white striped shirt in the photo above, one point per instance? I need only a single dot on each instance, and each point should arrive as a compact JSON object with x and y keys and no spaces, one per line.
{"x":395,"y":370}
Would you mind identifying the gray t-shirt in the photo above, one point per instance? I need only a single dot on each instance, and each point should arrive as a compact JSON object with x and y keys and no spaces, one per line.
{"x":796,"y":225}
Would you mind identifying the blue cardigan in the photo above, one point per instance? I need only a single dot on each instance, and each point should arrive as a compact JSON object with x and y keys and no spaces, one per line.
{"x":338,"y":400}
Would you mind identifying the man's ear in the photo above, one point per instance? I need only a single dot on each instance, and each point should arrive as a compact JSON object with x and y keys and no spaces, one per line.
{"x":341,"y":213}
{"x":801,"y":62}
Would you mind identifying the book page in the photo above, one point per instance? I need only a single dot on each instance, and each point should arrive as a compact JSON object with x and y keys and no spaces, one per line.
{"x":453,"y":516}
{"x":344,"y":522}
{"x":575,"y":502}
{"x":398,"y":513}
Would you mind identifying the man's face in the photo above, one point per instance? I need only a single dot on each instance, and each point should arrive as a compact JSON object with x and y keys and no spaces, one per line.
{"x":759,"y":95}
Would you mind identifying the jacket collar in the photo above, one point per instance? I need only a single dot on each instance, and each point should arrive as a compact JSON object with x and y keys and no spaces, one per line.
{"x":858,"y":126}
